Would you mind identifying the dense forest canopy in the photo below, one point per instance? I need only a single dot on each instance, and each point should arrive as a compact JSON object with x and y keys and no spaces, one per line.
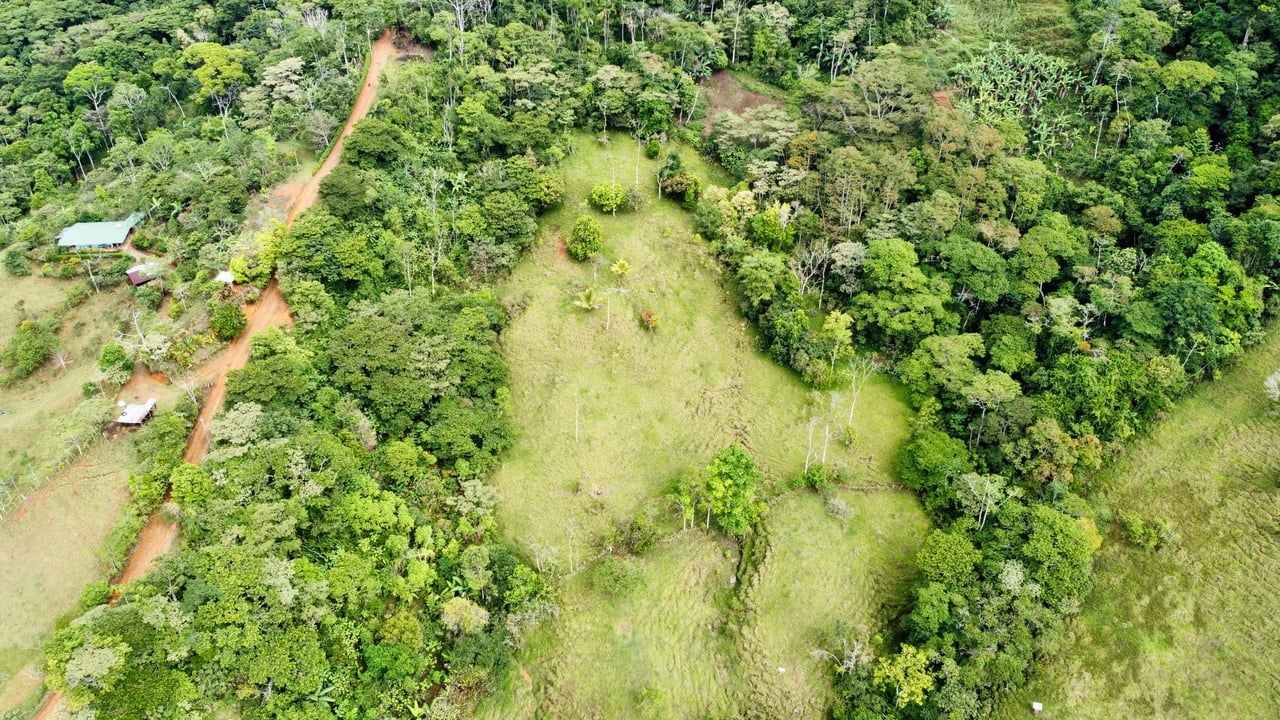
{"x":1045,"y":249}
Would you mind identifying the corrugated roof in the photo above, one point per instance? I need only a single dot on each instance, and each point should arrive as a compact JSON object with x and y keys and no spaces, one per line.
{"x":136,"y":414}
{"x":98,"y":234}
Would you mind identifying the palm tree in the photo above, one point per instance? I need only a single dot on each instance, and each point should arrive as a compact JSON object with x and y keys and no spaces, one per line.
{"x":588,"y":300}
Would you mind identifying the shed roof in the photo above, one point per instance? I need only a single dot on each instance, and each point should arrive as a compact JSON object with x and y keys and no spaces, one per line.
{"x":136,"y":414}
{"x":143,"y":273}
{"x":225,"y":277}
{"x":98,"y":234}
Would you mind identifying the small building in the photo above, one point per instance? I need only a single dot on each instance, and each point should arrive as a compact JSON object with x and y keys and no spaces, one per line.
{"x":137,"y":414}
{"x":99,"y":235}
{"x":225,"y":277}
{"x":142,"y":273}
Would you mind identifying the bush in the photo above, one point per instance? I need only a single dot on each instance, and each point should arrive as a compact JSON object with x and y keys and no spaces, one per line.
{"x":29,"y":348}
{"x":115,"y":363}
{"x":17,"y":262}
{"x":615,"y":576}
{"x":149,"y":297}
{"x":227,"y":320}
{"x":97,"y":592}
{"x":650,"y":319}
{"x":585,"y":240}
{"x":654,"y":149}
{"x":608,"y":197}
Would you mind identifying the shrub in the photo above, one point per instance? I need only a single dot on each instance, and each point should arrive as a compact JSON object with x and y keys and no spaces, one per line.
{"x":29,"y":348}
{"x":227,"y":320}
{"x":115,"y":363}
{"x":650,"y":319}
{"x":654,"y":148}
{"x":608,"y":197}
{"x":96,"y":593}
{"x":585,"y":240}
{"x":17,"y":262}
{"x":635,"y":536}
{"x":613,"y":575}
{"x":634,"y":199}
{"x":149,"y":297}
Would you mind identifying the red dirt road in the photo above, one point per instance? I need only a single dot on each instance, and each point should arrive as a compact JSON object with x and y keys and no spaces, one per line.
{"x":271,"y":310}
{"x":383,"y":50}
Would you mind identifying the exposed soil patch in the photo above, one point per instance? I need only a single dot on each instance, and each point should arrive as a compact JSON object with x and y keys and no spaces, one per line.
{"x":723,"y":93}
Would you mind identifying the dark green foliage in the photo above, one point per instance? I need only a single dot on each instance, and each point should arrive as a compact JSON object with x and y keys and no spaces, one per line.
{"x":373,"y":141}
{"x":411,"y":359}
{"x":279,"y":373}
{"x":347,"y":191}
{"x":17,"y":262}
{"x":227,"y":320}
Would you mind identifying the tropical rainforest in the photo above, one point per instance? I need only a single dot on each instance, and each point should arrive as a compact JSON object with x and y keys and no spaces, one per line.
{"x":1046,"y":239}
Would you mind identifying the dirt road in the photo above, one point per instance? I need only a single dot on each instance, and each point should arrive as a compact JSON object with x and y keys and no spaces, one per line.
{"x":271,"y":310}
{"x":383,"y":50}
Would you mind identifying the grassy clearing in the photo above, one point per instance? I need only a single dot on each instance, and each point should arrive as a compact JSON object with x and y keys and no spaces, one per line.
{"x":821,"y":571}
{"x":48,"y":550}
{"x":606,"y":415}
{"x":48,"y":545}
{"x":31,"y":409}
{"x":1189,"y":630}
{"x":654,"y":652}
{"x":22,"y":297}
{"x":646,"y":405}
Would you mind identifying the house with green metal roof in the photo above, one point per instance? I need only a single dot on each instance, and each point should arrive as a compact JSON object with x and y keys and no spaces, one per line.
{"x":99,"y":235}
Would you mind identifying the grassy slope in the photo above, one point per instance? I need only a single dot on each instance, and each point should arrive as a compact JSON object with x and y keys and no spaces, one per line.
{"x":30,"y":408}
{"x":48,"y":550}
{"x":1189,"y":631}
{"x":650,"y":405}
{"x":48,"y":547}
{"x":820,"y":571}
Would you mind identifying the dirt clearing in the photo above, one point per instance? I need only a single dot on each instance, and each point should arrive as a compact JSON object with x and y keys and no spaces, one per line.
{"x":723,"y":92}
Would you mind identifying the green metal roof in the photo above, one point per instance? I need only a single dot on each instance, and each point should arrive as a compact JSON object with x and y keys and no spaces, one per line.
{"x":98,"y":234}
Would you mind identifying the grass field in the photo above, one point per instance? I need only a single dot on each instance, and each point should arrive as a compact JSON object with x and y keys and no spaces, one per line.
{"x":31,"y":408}
{"x":1190,"y":630}
{"x":49,"y":543}
{"x":820,"y":571}
{"x":606,"y":415}
{"x":48,"y":550}
{"x":656,"y":652}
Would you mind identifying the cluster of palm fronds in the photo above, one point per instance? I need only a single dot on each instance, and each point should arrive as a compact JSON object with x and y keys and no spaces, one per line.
{"x":1007,"y":83}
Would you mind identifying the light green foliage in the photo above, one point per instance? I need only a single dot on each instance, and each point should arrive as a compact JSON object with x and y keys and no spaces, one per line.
{"x":764,"y":277}
{"x":729,"y":487}
{"x":218,"y":69}
{"x":585,"y":240}
{"x":906,"y":676}
{"x":948,"y":559}
{"x":28,"y":349}
{"x":461,"y":615}
{"x":115,"y":363}
{"x":608,"y":197}
{"x":227,"y":320}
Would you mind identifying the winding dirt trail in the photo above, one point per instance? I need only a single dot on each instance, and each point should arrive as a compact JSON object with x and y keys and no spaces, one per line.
{"x":271,"y":310}
{"x":383,"y":50}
